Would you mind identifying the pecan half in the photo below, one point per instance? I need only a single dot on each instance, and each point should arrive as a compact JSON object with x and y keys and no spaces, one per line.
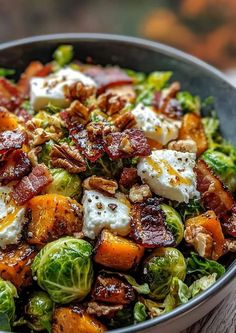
{"x":111,"y":103}
{"x":76,"y":113}
{"x":79,"y":91}
{"x":138,"y":193}
{"x":124,"y":121}
{"x":103,"y":310}
{"x":101,"y":184}
{"x":186,"y":146}
{"x":67,"y":157}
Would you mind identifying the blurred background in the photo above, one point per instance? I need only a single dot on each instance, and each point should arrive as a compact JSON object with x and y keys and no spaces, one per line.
{"x":205,"y":28}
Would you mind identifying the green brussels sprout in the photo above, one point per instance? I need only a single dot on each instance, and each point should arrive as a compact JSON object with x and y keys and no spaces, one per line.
{"x":160,"y":268}
{"x":174,"y":222}
{"x":7,"y":304}
{"x":6,"y":72}
{"x":64,"y":269}
{"x":223,"y":165}
{"x":64,"y":183}
{"x":38,"y":311}
{"x":44,"y":156}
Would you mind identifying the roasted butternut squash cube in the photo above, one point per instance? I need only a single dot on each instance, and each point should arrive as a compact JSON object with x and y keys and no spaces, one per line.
{"x":192,"y":128}
{"x":75,"y":320}
{"x":8,"y":121}
{"x":117,"y":252}
{"x":15,"y":264}
{"x":53,"y":216}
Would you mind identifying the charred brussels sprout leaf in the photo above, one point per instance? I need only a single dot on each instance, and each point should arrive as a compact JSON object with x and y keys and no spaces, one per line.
{"x":64,"y":269}
{"x":140,"y":313}
{"x":64,"y":183}
{"x":160,"y":268}
{"x":122,"y":318}
{"x":174,"y":222}
{"x":140,"y":288}
{"x":38,"y":311}
{"x":198,"y":267}
{"x":7,"y":304}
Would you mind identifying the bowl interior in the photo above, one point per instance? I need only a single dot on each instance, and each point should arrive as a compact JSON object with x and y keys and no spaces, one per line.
{"x":139,"y":55}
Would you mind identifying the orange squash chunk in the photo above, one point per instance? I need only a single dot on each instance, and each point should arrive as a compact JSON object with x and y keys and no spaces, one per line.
{"x":192,"y":128}
{"x":8,"y":121}
{"x":210,"y":222}
{"x":53,"y":216}
{"x":117,"y":252}
{"x":15,"y":264}
{"x":75,"y":320}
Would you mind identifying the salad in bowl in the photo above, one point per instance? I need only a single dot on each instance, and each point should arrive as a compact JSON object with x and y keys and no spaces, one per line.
{"x":116,"y":198}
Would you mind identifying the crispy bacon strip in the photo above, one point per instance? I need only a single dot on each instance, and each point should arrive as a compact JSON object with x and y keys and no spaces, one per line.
{"x":10,"y":97}
{"x":216,"y":197}
{"x":15,"y":165}
{"x":11,"y":140}
{"x":131,"y":142}
{"x":108,"y":77}
{"x":35,"y":68}
{"x":92,"y":150}
{"x":32,"y":184}
{"x":148,"y":226}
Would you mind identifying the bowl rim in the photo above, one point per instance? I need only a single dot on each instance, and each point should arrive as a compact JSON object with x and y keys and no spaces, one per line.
{"x":178,"y":55}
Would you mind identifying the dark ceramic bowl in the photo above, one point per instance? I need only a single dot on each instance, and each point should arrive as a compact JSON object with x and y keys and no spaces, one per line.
{"x":194,"y":75}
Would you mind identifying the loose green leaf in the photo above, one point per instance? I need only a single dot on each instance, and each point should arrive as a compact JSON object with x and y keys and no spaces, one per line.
{"x":188,"y":102}
{"x":63,"y":55}
{"x":6,"y":72}
{"x":191,"y":209}
{"x":198,"y":267}
{"x":140,"y":288}
{"x":52,"y":109}
{"x":202,"y":284}
{"x":140,"y":313}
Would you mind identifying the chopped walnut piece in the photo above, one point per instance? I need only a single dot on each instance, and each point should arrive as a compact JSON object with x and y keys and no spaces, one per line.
{"x":139,"y":193}
{"x":67,"y":157}
{"x":79,"y":91}
{"x":103,"y":310}
{"x":124,"y":121}
{"x":101,"y":184}
{"x":201,"y":240}
{"x":99,"y":129}
{"x":76,"y":113}
{"x":230,"y":245}
{"x":185,"y":146}
{"x":111,"y":103}
{"x":127,"y":92}
{"x":125,"y":145}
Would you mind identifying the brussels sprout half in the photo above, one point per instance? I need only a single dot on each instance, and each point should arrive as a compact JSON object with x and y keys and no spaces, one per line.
{"x":64,"y":269}
{"x":7,"y":304}
{"x":174,"y":222}
{"x":160,"y":268}
{"x":38,"y":311}
{"x":64,"y":183}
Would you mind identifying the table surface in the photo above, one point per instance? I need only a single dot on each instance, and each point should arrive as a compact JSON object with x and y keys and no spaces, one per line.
{"x":220,"y":320}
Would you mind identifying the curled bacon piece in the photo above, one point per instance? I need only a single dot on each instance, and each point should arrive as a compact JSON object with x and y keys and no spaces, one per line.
{"x":148,"y":226}
{"x":15,"y":165}
{"x":35,"y":68}
{"x":32,"y":184}
{"x":131,"y":142}
{"x":10,"y":140}
{"x":91,"y":149}
{"x":216,"y":197}
{"x":10,"y":97}
{"x":108,"y":77}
